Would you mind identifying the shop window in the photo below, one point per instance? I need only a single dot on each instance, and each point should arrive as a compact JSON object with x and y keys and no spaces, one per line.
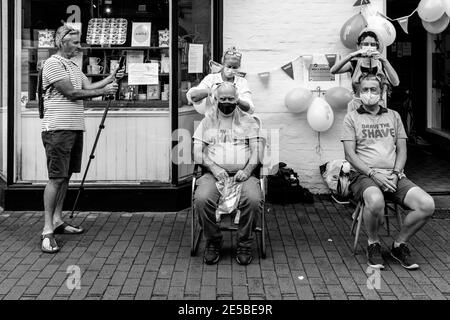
{"x":107,"y":33}
{"x":439,"y":100}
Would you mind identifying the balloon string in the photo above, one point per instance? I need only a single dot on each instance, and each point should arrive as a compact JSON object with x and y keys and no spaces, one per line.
{"x":318,"y":147}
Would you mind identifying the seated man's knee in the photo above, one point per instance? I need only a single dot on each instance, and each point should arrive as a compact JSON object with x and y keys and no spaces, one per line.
{"x":253,"y":198}
{"x":202,"y":198}
{"x":374,"y":202}
{"x":426,"y":206}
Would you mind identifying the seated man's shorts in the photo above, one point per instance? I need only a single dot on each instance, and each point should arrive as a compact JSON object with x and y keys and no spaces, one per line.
{"x":360,"y":182}
{"x":63,"y":149}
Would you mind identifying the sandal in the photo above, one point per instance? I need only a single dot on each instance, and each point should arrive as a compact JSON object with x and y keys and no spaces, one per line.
{"x":66,"y":228}
{"x":52,"y":244}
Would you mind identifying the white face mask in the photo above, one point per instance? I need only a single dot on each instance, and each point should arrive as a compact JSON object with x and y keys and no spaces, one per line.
{"x":370,"y":99}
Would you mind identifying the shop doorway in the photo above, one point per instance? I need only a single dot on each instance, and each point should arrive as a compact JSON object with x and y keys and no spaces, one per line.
{"x":428,"y":161}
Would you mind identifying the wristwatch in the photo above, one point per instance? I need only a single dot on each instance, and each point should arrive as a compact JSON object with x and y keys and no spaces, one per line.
{"x":399,"y":174}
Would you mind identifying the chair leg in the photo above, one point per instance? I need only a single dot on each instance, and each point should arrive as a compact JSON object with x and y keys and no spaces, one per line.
{"x":355,"y":218}
{"x":196,"y":230}
{"x":386,"y":217}
{"x":263,"y":233}
{"x":358,"y":228}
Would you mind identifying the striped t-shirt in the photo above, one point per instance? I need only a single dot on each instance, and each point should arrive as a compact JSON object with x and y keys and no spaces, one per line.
{"x":61,"y":113}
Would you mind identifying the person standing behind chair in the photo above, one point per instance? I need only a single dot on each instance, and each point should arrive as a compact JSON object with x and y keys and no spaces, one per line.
{"x":231,"y":62}
{"x":65,"y":87}
{"x":375,"y":145}
{"x":367,"y":59}
{"x":226,"y":143}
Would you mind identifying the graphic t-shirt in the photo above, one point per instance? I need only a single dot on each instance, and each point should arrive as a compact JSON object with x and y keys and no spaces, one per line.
{"x":228,"y":148}
{"x":375,"y":136}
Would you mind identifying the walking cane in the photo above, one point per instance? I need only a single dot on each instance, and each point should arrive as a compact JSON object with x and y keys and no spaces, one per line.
{"x":100,"y":128}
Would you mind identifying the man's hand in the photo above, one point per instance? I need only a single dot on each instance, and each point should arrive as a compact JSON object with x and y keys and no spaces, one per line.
{"x":385,"y":183}
{"x":241,"y":176}
{"x":220,"y":174}
{"x":360,"y":53}
{"x":394,"y":178}
{"x":111,"y":88}
{"x":116,"y":74}
{"x":375,"y":55}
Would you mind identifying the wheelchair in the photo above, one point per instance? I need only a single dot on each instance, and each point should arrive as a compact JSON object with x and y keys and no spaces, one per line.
{"x":228,"y":224}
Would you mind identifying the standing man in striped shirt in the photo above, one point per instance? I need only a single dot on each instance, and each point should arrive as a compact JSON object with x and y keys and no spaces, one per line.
{"x":65,"y":87}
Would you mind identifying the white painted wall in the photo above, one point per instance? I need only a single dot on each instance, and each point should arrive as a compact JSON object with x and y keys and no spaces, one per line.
{"x":271,"y":33}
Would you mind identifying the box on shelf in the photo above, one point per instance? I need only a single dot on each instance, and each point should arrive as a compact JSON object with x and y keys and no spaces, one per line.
{"x":164,"y":38}
{"x":153,"y":92}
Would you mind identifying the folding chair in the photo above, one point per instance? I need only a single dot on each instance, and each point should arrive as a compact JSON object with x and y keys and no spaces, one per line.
{"x":358,"y":218}
{"x":227,"y":224}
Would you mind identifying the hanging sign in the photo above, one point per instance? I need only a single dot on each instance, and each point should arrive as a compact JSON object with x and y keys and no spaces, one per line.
{"x":320,"y":72}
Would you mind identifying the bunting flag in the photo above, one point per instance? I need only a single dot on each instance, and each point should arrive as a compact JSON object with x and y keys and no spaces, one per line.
{"x":289,"y":69}
{"x":307,"y":60}
{"x":264,"y":76}
{"x":361,"y":2}
{"x":403,"y":22}
{"x":331,"y":58}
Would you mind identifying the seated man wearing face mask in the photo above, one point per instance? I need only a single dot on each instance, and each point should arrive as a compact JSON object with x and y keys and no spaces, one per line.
{"x":231,"y":62}
{"x":226,"y":143}
{"x":375,"y":145}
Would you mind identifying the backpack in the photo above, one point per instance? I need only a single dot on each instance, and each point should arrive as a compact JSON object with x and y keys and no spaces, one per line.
{"x":41,"y":91}
{"x":336,"y":174}
{"x":284,"y":187}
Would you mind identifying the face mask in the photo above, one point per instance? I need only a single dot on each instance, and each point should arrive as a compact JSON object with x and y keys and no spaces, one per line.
{"x":226,"y":107}
{"x":369,"y":99}
{"x":228,"y":72}
{"x":366,"y":47}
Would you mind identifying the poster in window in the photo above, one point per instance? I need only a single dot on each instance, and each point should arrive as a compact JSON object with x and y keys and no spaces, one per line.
{"x":46,"y":38}
{"x":141,"y":34}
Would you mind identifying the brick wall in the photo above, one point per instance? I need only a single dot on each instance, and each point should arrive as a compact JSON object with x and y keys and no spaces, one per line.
{"x":272,"y":33}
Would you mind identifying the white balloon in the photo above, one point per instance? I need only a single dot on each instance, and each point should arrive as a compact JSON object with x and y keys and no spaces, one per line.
{"x":202,"y":105}
{"x":446,"y":5}
{"x":437,"y":26}
{"x":384,"y":28}
{"x":431,"y":10}
{"x":320,"y":116}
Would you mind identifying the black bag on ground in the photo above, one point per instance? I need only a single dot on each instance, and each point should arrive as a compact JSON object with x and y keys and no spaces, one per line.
{"x":284,"y":187}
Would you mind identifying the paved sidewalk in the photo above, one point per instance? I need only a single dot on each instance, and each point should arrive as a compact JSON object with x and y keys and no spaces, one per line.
{"x":147,"y":256}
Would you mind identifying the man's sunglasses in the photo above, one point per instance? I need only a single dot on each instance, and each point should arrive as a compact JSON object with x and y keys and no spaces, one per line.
{"x":233,"y":53}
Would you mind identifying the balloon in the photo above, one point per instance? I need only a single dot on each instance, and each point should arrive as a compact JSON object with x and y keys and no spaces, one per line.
{"x":351,"y":29}
{"x":384,"y":28}
{"x":446,"y":5}
{"x":437,"y":26}
{"x":320,"y":115}
{"x":202,"y":105}
{"x":298,"y":100}
{"x":338,"y":97}
{"x":431,"y":10}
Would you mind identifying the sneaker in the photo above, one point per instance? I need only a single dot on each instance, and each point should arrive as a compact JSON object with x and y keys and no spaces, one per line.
{"x":374,"y":257}
{"x":402,"y":254}
{"x":212,"y":252}
{"x":244,"y":255}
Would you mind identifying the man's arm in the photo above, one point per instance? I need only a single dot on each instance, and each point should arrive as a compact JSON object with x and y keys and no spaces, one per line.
{"x":352,"y":157}
{"x":401,"y":157}
{"x":66,"y":88}
{"x":116,"y":74}
{"x":256,"y":154}
{"x":381,"y":180}
{"x":200,"y":157}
